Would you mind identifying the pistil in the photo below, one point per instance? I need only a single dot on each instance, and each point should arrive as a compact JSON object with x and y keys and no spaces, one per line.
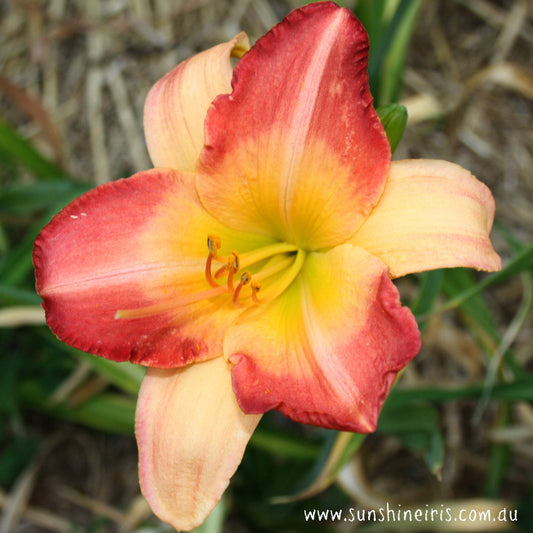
{"x":277,"y":287}
{"x":250,"y":258}
{"x":275,"y":265}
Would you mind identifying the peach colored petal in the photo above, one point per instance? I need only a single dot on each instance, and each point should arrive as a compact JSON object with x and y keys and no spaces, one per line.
{"x":191,"y":435}
{"x":432,"y":214}
{"x":177,"y":104}
{"x":327,"y":351}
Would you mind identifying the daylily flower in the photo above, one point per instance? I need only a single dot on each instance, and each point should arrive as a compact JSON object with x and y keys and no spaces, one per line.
{"x":251,"y":269}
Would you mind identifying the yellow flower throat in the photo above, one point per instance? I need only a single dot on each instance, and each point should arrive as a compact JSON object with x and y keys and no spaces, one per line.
{"x":276,"y":266}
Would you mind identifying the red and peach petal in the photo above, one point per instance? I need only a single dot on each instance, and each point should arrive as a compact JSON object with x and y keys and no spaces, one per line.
{"x":297,"y":151}
{"x":191,"y":436}
{"x":118,"y":270}
{"x":328,"y":350}
{"x":432,"y":214}
{"x":177,"y":104}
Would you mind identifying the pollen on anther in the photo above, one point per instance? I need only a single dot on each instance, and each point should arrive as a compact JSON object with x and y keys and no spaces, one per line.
{"x":236,"y":262}
{"x":256,"y":287}
{"x":213,"y":244}
{"x":233,"y":268}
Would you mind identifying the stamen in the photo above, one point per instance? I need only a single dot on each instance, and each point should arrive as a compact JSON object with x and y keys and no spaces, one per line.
{"x":277,"y":258}
{"x":246,"y":277}
{"x":170,"y":304}
{"x":208,"y":274}
{"x":236,"y":261}
{"x":233,"y":268}
{"x":232,"y":262}
{"x":222,"y":271}
{"x":213,"y":243}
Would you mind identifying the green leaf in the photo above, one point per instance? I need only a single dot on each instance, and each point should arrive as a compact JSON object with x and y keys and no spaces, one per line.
{"x":342,"y":449}
{"x":17,"y":264}
{"x":418,"y":427}
{"x":26,"y":199}
{"x":126,"y":376}
{"x":4,"y":242}
{"x":428,"y":293}
{"x":519,"y":390}
{"x":521,"y":262}
{"x":10,"y":365}
{"x":14,"y":296}
{"x":15,"y":456}
{"x":401,"y":28}
{"x":284,"y":445}
{"x":474,"y":309}
{"x":390,"y":24}
{"x":107,"y":412}
{"x":499,"y":459}
{"x":394,"y":119}
{"x":17,"y":149}
{"x":372,"y":14}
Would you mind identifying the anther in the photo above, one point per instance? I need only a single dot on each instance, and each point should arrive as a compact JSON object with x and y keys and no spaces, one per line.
{"x":279,"y":268}
{"x":235,"y":261}
{"x":256,"y":287}
{"x":233,"y":268}
{"x":213,"y":244}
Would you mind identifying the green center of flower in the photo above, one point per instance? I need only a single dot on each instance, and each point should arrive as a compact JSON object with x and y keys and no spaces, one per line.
{"x":269,"y":270}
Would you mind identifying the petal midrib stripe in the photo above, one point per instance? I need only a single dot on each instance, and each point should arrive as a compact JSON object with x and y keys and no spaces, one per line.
{"x":118,"y":277}
{"x":305,"y":110}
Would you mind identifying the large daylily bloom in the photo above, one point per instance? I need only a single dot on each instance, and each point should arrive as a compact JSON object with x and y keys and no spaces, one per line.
{"x":251,"y":269}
